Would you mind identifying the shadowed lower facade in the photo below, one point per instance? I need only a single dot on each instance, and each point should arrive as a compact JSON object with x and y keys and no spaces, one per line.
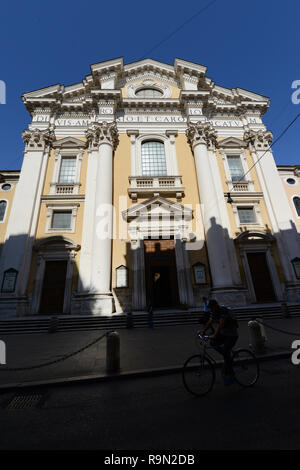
{"x":122,"y":199}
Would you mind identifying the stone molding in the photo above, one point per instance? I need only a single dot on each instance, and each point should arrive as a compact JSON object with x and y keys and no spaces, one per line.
{"x":201,"y":133}
{"x":102,"y":133}
{"x":37,"y":139}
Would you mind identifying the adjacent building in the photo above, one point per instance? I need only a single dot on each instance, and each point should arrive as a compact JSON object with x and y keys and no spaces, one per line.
{"x":146,"y":183}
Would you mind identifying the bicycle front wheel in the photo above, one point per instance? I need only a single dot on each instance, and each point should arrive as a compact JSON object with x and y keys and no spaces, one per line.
{"x":198,"y":375}
{"x":246,"y":367}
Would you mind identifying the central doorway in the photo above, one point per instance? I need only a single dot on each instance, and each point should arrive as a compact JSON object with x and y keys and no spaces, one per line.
{"x":261,"y":279}
{"x":53,"y":290}
{"x":161,"y":273}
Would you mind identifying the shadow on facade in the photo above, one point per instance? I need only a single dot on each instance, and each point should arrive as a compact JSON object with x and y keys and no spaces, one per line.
{"x":257,"y":265}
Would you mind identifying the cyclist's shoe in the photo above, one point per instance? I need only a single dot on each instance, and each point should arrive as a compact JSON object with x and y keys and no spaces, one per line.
{"x":228,"y":380}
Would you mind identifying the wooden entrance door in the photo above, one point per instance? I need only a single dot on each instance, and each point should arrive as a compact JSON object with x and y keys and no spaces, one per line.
{"x":161,"y":274}
{"x":53,"y":290}
{"x":261,"y":279}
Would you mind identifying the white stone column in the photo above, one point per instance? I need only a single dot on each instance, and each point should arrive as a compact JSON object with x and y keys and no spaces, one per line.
{"x":20,"y":229}
{"x":200,"y":135}
{"x":279,"y":210}
{"x":95,"y":264}
{"x":235,"y":272}
{"x":185,"y":288}
{"x":138,"y":275}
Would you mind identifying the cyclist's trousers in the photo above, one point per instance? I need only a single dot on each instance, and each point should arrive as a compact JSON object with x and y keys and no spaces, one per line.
{"x":224,"y":344}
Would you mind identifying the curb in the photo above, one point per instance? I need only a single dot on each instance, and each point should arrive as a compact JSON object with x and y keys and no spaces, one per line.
{"x":122,"y":375}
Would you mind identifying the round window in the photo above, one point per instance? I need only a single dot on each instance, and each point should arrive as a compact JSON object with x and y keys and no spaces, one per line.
{"x":290,"y":181}
{"x":148,"y":93}
{"x":6,"y":187}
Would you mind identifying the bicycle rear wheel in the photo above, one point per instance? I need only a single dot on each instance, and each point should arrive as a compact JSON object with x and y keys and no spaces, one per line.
{"x":246,"y":367}
{"x":198,"y":375}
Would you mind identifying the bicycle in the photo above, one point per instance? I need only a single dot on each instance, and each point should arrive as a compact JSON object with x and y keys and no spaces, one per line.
{"x":199,"y":370}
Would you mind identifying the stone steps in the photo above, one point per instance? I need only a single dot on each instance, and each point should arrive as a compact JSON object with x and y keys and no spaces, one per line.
{"x":140,"y":320}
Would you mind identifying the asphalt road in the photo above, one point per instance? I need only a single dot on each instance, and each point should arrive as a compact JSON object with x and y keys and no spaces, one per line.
{"x":157,"y":413}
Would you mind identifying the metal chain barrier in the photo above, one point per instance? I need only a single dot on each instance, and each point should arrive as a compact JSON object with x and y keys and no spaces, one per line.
{"x":276,"y":329}
{"x":63,"y":358}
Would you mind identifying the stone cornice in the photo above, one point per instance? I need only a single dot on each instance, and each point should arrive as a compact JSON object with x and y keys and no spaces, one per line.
{"x":102,"y":133}
{"x":108,"y":77}
{"x":201,"y":133}
{"x":38,"y":140}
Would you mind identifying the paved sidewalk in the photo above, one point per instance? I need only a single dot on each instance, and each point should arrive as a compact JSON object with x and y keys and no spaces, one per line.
{"x":143,"y":350}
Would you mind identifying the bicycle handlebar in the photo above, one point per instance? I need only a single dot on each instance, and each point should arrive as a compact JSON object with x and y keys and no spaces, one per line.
{"x":204,"y":338}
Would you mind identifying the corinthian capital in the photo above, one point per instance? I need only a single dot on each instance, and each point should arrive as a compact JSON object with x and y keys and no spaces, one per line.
{"x":102,"y":133}
{"x":37,"y":139}
{"x":259,"y":140}
{"x":201,"y":133}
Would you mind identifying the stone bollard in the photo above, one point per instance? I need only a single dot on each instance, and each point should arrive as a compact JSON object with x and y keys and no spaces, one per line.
{"x":262,"y":328}
{"x":112,"y":352}
{"x":129,"y":320}
{"x":53,"y":327}
{"x":256,"y":339}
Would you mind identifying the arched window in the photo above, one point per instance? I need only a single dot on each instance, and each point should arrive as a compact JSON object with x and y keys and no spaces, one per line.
{"x":148,"y":93}
{"x":3,"y":205}
{"x":153,"y":158}
{"x":297,"y":205}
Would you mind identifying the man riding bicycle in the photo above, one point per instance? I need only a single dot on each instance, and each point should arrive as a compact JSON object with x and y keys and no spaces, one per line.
{"x":224,"y":337}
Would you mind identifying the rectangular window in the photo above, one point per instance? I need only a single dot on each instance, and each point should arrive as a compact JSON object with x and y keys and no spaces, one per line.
{"x":235,"y":168}
{"x":153,"y":159}
{"x":247,"y":215}
{"x":61,"y":219}
{"x":67,"y":172}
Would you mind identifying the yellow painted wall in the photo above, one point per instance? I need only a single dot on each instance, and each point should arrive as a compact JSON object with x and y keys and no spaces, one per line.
{"x":291,"y":191}
{"x":6,"y":196}
{"x":41,"y":226}
{"x":121,"y":253}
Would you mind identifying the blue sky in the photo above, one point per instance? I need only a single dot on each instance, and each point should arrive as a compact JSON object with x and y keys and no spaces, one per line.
{"x":251,"y":44}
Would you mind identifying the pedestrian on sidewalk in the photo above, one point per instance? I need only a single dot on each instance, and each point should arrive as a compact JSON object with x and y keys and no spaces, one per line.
{"x":150,"y":316}
{"x":206,"y":310}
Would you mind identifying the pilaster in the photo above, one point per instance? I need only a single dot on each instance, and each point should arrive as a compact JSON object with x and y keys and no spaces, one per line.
{"x":278,"y":207}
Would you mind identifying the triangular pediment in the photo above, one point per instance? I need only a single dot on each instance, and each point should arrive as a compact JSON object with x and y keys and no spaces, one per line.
{"x":149,"y":64}
{"x":69,"y":142}
{"x":157,"y":206}
{"x":231,"y":142}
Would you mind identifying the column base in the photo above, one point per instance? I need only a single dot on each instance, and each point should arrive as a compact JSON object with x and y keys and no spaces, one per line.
{"x":230,"y":297}
{"x":92,"y":304}
{"x":11,"y":307}
{"x":292,"y":293}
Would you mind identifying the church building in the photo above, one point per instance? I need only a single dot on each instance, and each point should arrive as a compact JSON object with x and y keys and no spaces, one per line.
{"x":145,"y":184}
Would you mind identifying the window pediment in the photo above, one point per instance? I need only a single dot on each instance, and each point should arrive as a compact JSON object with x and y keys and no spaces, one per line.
{"x":69,"y":143}
{"x":158,"y":206}
{"x":231,"y":143}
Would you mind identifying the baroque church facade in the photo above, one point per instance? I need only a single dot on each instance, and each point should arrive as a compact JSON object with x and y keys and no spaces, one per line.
{"x":146,"y":183}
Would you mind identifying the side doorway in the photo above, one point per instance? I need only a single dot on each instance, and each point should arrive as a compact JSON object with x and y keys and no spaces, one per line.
{"x":54,"y":275}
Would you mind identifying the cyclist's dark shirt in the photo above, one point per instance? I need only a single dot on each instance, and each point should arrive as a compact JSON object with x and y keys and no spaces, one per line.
{"x":229,"y":328}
